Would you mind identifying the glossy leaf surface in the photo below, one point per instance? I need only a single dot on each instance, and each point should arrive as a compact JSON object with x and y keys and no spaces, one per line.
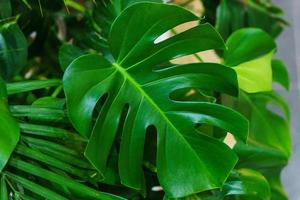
{"x":136,"y":87}
{"x":247,"y":183}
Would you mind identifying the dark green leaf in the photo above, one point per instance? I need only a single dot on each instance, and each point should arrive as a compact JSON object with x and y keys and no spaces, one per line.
{"x":5,"y":9}
{"x":13,"y":49}
{"x":67,"y":53}
{"x":247,"y":183}
{"x":77,"y":188}
{"x":247,"y":44}
{"x":137,"y":88}
{"x":3,"y":188}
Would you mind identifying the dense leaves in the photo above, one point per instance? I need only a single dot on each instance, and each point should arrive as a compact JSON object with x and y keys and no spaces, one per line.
{"x":47,"y":162}
{"x":147,"y":128}
{"x":231,"y":15}
{"x":269,"y":144}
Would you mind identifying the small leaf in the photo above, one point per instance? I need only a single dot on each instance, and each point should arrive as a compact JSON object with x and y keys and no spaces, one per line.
{"x":280,"y":73}
{"x":247,"y":183}
{"x":255,"y":75}
{"x":9,"y":128}
{"x":13,"y":50}
{"x":250,"y":53}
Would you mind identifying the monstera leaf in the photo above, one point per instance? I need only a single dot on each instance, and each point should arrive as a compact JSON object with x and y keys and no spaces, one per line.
{"x":137,"y":86}
{"x":107,"y":11}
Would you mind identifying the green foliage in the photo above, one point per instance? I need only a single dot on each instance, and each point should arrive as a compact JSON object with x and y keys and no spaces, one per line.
{"x":47,"y":160}
{"x":126,"y":122}
{"x":134,"y":89}
{"x":231,"y":15}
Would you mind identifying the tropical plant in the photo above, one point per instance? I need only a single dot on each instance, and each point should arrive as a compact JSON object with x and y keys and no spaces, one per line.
{"x":126,"y":122}
{"x":231,"y":15}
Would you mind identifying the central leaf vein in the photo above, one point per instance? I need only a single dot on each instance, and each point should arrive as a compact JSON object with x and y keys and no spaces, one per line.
{"x":150,"y":100}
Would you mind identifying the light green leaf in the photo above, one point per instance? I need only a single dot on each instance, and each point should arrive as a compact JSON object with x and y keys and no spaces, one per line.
{"x":250,"y":51}
{"x":255,"y":75}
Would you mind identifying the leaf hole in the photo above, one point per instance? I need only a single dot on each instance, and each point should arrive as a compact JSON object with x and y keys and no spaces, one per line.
{"x":191,"y":94}
{"x":273,"y":108}
{"x":150,"y":148}
{"x":122,"y":120}
{"x":174,"y":31}
{"x":99,"y":106}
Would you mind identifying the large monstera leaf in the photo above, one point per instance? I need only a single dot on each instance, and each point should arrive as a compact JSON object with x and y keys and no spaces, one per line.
{"x":137,"y":86}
